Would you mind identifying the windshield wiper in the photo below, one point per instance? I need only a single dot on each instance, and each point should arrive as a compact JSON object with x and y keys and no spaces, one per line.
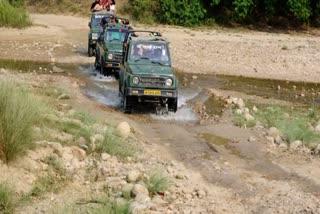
{"x":146,"y":58}
{"x":159,"y":63}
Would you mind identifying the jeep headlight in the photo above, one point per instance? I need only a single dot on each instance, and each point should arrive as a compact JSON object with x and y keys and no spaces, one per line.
{"x":135,"y":80}
{"x":110,"y":56}
{"x":94,"y":36}
{"x":169,"y":82}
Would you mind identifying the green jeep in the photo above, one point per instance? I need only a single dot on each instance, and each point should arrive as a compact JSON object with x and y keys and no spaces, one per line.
{"x":109,"y":50}
{"x":146,"y":75}
{"x":94,"y":26}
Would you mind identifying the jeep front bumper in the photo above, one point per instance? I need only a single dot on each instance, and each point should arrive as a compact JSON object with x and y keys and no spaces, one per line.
{"x":112,"y":65}
{"x":155,"y":93}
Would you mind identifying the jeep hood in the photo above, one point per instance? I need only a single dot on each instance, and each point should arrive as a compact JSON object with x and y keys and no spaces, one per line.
{"x":114,"y":46}
{"x":95,"y":29}
{"x":152,"y":69}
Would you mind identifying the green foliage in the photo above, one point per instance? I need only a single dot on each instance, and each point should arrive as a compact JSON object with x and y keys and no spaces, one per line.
{"x":296,"y":126}
{"x":198,"y":12}
{"x":19,"y":111}
{"x":300,"y":9}
{"x":6,"y":199}
{"x":16,"y":3}
{"x":143,"y":10}
{"x":242,"y":8}
{"x":11,"y":16}
{"x":157,"y":182}
{"x":185,"y":12}
{"x":113,"y":208}
{"x":115,"y":145}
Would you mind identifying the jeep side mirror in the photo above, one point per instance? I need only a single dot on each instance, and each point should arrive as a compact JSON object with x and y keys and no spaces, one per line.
{"x":89,"y":24}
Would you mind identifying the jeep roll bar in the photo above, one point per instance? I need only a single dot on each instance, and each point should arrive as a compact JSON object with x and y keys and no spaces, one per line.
{"x":131,"y":34}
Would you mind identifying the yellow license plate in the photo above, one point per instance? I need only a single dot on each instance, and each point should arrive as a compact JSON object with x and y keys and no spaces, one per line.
{"x":152,"y":92}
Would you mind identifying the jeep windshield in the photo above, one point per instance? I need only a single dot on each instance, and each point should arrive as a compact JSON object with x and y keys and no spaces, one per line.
{"x":96,"y":19}
{"x":115,"y":35}
{"x":150,"y":53}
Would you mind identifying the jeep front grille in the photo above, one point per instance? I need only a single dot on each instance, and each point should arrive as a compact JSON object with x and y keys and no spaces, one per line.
{"x":117,"y":57}
{"x":153,"y":81}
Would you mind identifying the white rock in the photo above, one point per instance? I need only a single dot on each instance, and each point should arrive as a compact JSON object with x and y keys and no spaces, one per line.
{"x":295,"y":145}
{"x":283,"y":146}
{"x":63,"y":97}
{"x":248,"y":117}
{"x":246,"y":110}
{"x":142,"y":198}
{"x":194,"y":77}
{"x":201,"y":193}
{"x":238,"y":112}
{"x":273,"y":132}
{"x":254,"y":109}
{"x":317,"y":149}
{"x":317,"y":128}
{"x":105,"y":156}
{"x":81,"y":141}
{"x":133,"y":176}
{"x":3,"y":71}
{"x":137,"y":208}
{"x":78,"y":153}
{"x":139,"y":189}
{"x":123,"y":129}
{"x":252,"y":139}
{"x":126,"y":190}
{"x":240,"y":104}
{"x":56,"y":69}
{"x":270,"y":139}
{"x":57,"y":147}
{"x":158,"y":200}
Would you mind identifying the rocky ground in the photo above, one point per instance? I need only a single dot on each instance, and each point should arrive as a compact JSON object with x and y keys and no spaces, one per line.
{"x":246,"y":170}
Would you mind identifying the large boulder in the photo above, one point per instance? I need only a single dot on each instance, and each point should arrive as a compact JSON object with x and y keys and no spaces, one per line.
{"x":139,"y":189}
{"x":123,"y":129}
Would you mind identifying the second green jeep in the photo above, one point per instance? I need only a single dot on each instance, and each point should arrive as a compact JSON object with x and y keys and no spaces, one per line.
{"x":109,"y":50}
{"x":146,"y":75}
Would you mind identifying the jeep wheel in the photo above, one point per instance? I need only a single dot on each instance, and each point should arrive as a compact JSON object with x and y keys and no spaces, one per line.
{"x":96,"y":65}
{"x":173,"y":105}
{"x":90,"y":51}
{"x":126,"y":104}
{"x":102,"y":67}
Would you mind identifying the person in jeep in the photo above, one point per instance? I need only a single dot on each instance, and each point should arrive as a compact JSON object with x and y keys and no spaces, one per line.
{"x":95,"y":6}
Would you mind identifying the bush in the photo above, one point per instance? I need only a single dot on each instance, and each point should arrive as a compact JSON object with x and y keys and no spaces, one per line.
{"x":185,"y":13}
{"x":157,"y":182}
{"x":115,"y":145}
{"x":13,"y":17}
{"x":242,"y":8}
{"x":6,"y":199}
{"x":300,"y":9}
{"x":18,"y":113}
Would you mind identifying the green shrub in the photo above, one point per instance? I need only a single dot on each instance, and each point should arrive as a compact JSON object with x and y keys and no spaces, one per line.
{"x":300,"y":9}
{"x":19,"y":111}
{"x":16,"y":3}
{"x":115,"y":145}
{"x":157,"y":182}
{"x":242,"y":8}
{"x":11,"y":16}
{"x":6,"y":200}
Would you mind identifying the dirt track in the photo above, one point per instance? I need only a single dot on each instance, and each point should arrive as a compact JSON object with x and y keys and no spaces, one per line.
{"x":242,"y":177}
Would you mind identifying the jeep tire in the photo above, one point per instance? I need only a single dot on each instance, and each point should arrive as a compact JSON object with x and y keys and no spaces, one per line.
{"x":102,"y":69}
{"x":90,"y":50}
{"x":126,"y":103}
{"x":173,"y":104}
{"x":96,"y":65}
